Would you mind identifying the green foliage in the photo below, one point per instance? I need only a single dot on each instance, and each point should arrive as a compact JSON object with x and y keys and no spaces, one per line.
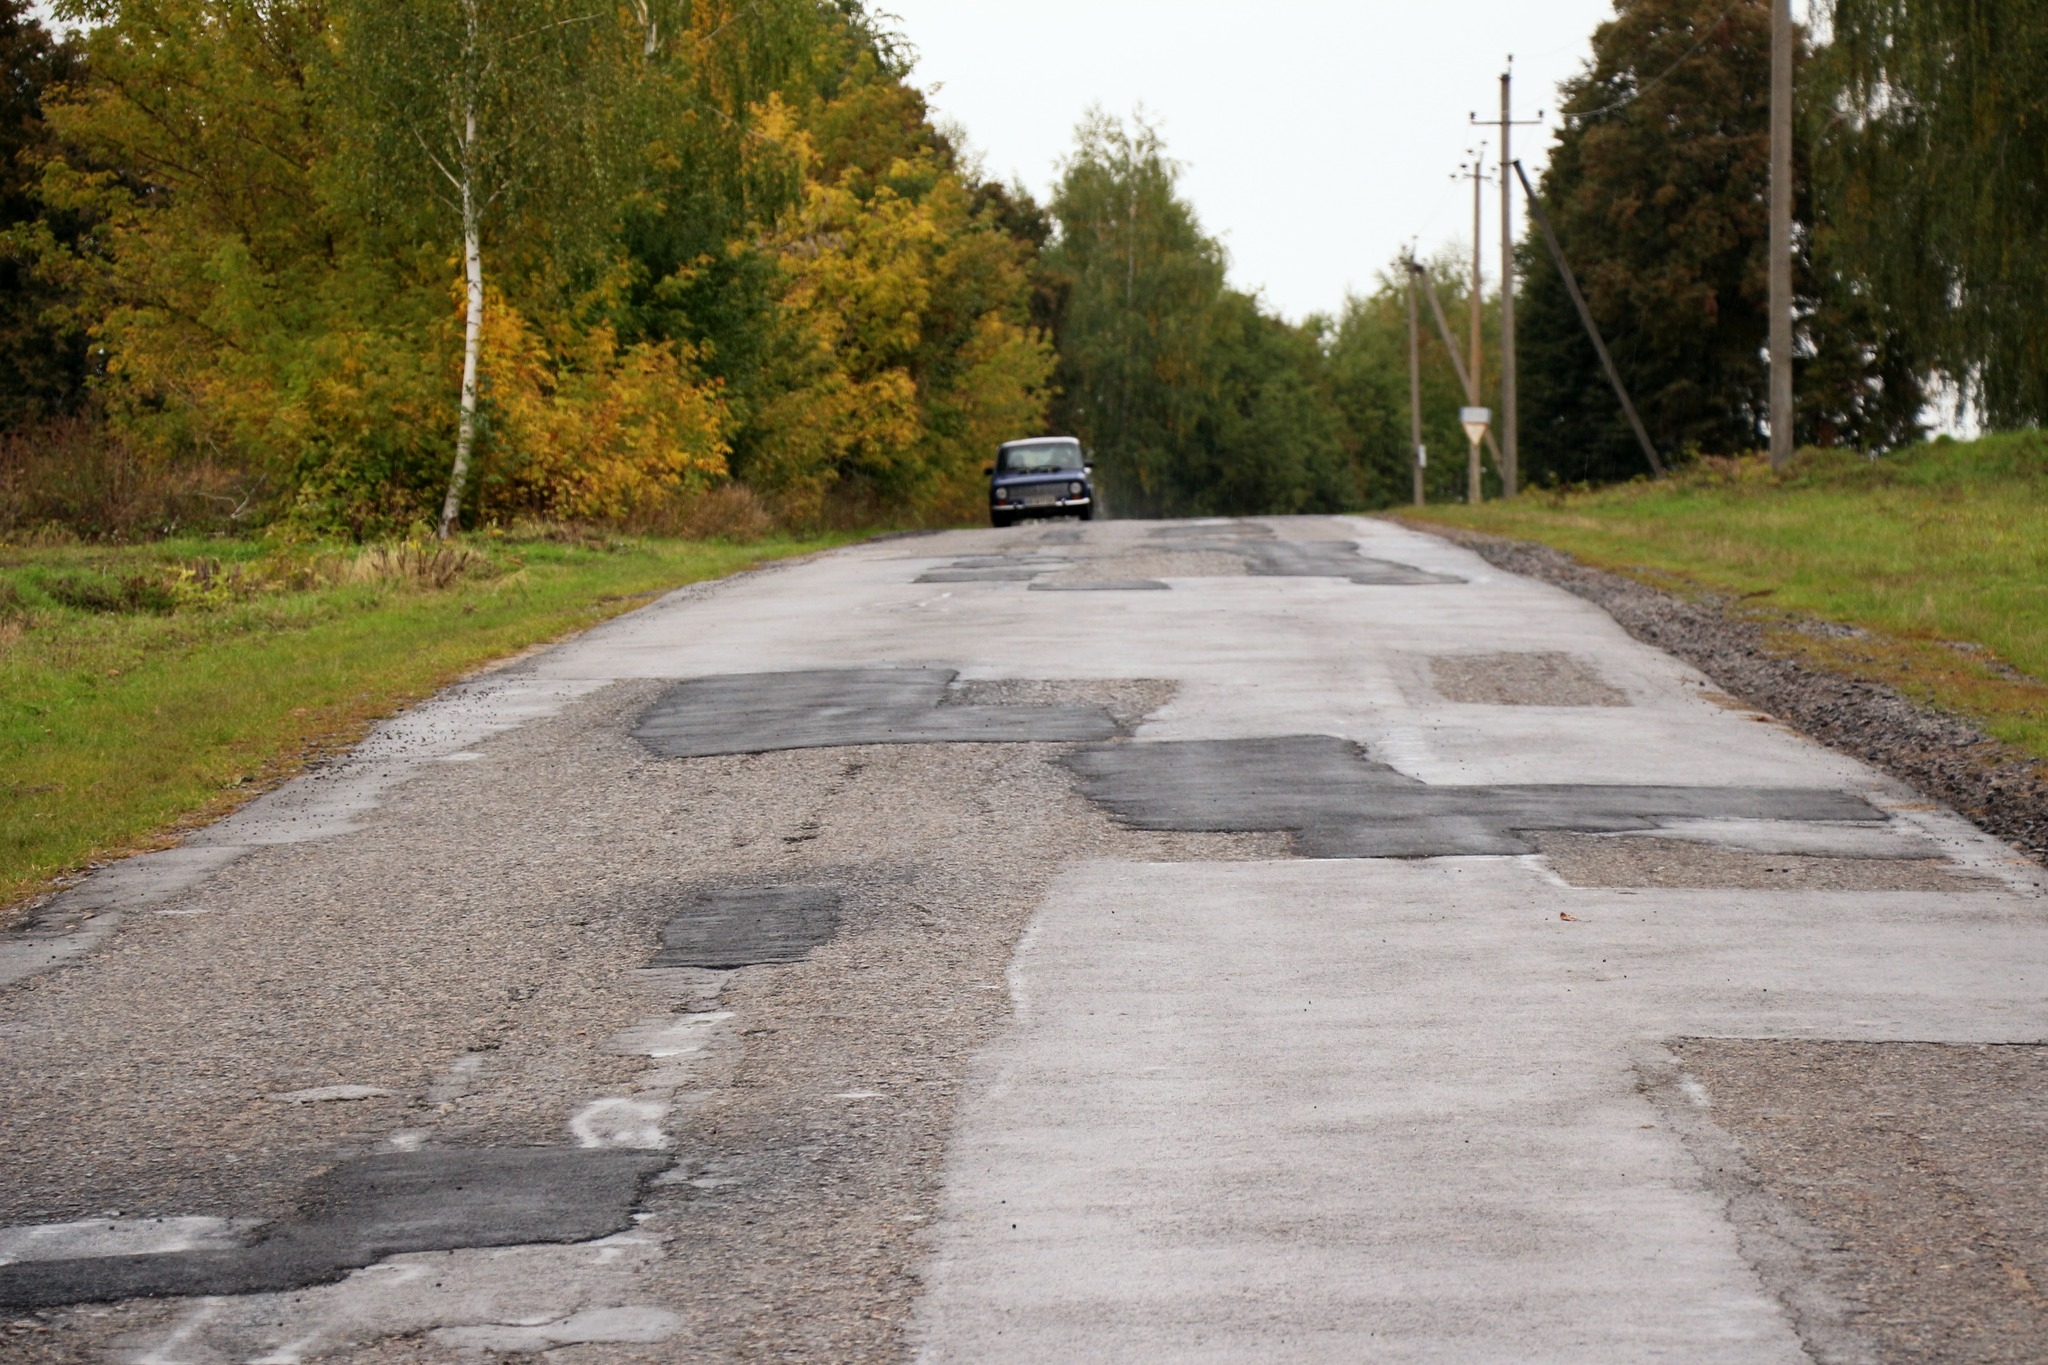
{"x":514,"y":97}
{"x":1368,"y":358}
{"x":1933,"y":117}
{"x":42,"y":350}
{"x":1658,"y":186}
{"x":1268,"y":438}
{"x":691,"y":219}
{"x":1190,"y":397}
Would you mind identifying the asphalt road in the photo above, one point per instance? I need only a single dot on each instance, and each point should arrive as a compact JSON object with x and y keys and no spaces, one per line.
{"x":1274,"y":940}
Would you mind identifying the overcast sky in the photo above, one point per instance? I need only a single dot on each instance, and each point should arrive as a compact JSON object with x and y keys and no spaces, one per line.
{"x":1318,"y":136}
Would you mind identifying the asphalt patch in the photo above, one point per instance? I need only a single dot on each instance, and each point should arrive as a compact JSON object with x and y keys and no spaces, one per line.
{"x":1337,"y":803}
{"x":1019,"y":567}
{"x":749,"y":926}
{"x":753,"y":713}
{"x":365,"y":1210}
{"x":1006,"y":575}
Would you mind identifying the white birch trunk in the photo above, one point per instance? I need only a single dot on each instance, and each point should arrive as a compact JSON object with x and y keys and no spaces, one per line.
{"x":643,"y":10}
{"x":472,"y":332}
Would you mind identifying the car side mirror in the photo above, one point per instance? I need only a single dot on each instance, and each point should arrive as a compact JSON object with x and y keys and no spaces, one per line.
{"x":990,"y":470}
{"x":1087,"y":469}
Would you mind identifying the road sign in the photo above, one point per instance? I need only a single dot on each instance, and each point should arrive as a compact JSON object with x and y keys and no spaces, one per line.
{"x":1475,"y":422}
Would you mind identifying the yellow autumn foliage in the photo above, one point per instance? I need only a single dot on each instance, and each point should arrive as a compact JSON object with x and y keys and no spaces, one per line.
{"x":878,"y":391}
{"x":590,"y":430}
{"x":257,"y":303}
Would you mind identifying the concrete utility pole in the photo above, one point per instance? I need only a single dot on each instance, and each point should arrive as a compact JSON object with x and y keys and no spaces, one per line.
{"x":1781,"y":233}
{"x":1418,"y":458}
{"x":1510,"y":421}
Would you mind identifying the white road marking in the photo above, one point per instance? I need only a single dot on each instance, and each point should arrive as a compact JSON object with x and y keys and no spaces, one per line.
{"x":121,"y":1237}
{"x":635,"y":1325}
{"x":622,"y":1121}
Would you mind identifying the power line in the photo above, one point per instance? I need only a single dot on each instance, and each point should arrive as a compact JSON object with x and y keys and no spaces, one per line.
{"x":1659,"y":79}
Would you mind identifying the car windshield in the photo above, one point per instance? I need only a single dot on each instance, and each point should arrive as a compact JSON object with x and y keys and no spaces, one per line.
{"x":1040,"y":455}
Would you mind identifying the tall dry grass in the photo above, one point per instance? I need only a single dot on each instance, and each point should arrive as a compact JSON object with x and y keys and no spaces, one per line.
{"x":418,"y":563}
{"x":730,"y":512}
{"x":74,"y":478}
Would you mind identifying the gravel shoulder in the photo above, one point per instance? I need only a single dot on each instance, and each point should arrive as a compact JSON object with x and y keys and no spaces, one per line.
{"x":1994,"y":785}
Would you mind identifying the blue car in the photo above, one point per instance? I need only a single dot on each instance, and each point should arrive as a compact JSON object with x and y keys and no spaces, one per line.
{"x":1044,"y":477}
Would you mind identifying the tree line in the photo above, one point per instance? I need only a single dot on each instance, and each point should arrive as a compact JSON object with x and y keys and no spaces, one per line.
{"x":415,"y":263}
{"x":544,"y":258}
{"x":1921,"y":270}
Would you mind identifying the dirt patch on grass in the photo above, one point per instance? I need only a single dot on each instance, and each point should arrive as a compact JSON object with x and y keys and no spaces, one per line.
{"x":1997,"y":786}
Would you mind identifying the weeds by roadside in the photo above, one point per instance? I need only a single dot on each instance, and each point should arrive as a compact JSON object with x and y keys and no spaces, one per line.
{"x":114,"y":584}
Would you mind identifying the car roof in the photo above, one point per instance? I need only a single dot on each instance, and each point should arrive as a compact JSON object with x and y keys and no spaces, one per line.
{"x":1040,"y":441}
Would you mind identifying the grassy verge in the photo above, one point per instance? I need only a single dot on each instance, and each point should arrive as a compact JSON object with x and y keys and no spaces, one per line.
{"x":1939,"y":554}
{"x":146,"y":689}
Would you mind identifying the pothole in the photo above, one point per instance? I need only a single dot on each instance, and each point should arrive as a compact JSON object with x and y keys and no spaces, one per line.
{"x":1337,"y":803}
{"x":1637,"y":860}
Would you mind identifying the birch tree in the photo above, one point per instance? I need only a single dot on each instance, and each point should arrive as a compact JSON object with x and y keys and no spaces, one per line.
{"x":1932,"y":121}
{"x":491,"y":112}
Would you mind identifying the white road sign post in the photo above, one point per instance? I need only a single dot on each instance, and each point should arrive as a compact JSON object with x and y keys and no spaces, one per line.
{"x":1475,"y":421}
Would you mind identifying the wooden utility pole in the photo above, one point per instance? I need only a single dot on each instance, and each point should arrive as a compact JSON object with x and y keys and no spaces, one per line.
{"x":1419,"y":275}
{"x":1475,"y":369}
{"x":1418,"y":458}
{"x":1781,"y":234}
{"x":1510,"y":421}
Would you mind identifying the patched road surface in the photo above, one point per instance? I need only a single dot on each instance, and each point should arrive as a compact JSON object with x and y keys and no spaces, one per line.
{"x":1271,"y":940}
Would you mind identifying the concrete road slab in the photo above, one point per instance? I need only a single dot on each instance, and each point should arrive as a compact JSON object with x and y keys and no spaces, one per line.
{"x":1394,"y":1110}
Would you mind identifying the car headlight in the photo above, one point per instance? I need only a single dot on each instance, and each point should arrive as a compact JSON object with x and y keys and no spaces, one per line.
{"x":1074,"y":490}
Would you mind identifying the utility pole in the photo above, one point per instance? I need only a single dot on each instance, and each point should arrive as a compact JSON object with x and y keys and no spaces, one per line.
{"x":1420,"y":277}
{"x":1781,"y":233}
{"x":1510,"y":421}
{"x":1418,"y":457}
{"x":1475,"y":426}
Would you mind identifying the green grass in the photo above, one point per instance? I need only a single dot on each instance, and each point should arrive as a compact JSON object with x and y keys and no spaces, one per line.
{"x":1940,"y":551}
{"x":147,"y":689}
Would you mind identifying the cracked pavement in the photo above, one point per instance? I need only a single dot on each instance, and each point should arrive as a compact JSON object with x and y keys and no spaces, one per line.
{"x":1306,"y":942}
